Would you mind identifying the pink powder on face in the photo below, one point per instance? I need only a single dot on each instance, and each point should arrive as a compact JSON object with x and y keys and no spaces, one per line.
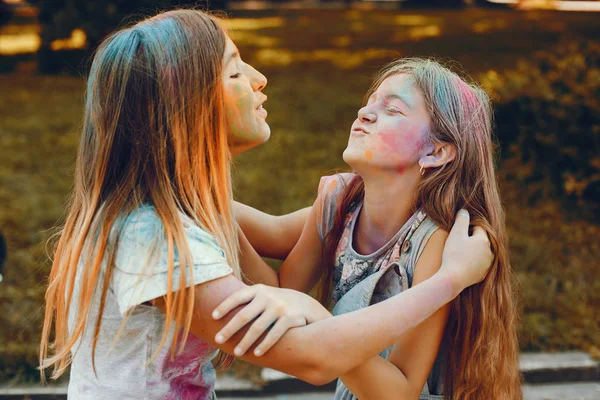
{"x":406,"y":144}
{"x":391,"y":140}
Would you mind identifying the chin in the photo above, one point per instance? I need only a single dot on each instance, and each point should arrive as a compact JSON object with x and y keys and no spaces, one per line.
{"x":265,"y":135}
{"x":346,"y":155}
{"x":352,"y":158}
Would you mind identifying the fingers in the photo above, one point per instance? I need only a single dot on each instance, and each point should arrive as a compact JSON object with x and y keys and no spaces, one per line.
{"x":260,"y":326}
{"x":481,"y":238}
{"x":241,"y":319}
{"x":461,"y":224}
{"x":281,"y":327}
{"x":238,"y":298}
{"x":480,"y":234}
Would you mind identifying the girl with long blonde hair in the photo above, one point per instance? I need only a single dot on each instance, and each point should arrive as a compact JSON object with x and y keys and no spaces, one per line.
{"x":421,"y":148}
{"x":150,"y":245}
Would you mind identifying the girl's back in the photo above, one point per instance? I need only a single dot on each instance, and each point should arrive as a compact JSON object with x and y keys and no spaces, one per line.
{"x":126,"y":362}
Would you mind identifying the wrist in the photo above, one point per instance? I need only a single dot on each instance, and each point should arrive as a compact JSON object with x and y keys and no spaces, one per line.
{"x":318,"y":313}
{"x":449,"y":282}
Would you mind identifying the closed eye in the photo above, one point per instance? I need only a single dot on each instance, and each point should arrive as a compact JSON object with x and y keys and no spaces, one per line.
{"x":234,"y":76}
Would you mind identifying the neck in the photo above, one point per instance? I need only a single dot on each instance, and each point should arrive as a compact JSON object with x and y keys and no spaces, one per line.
{"x":387,"y":205}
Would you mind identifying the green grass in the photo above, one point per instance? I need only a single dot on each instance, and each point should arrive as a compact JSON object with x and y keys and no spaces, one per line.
{"x":319,"y":65}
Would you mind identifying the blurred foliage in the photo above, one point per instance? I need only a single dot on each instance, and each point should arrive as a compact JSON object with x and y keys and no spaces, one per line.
{"x":433,"y":3}
{"x":314,"y":92}
{"x":97,"y":18}
{"x":548,"y":117}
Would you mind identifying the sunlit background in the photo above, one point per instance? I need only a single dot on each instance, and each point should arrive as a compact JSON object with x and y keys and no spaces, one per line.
{"x":539,"y":59}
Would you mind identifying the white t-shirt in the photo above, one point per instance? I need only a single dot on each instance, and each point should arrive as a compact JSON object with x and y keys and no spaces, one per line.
{"x":121,"y":368}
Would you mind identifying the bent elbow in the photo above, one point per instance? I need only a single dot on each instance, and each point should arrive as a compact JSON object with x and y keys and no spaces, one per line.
{"x":318,"y":375}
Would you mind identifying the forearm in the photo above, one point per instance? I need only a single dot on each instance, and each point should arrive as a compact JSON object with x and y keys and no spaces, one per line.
{"x":331,"y":344}
{"x":322,"y":351}
{"x":254,"y":268}
{"x":258,"y":226}
{"x":291,"y":226}
{"x":271,"y":236}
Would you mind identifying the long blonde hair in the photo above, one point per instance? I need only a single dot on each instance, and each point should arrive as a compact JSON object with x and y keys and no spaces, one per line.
{"x":154,"y":132}
{"x":481,"y":331}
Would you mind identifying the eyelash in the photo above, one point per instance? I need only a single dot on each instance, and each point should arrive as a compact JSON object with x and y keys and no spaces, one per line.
{"x":394,"y":110}
{"x":234,"y":76}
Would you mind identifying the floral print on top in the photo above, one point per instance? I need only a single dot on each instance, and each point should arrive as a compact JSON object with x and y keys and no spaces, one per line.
{"x":351,"y":267}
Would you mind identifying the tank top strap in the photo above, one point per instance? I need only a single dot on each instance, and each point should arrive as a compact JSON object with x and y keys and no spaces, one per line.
{"x":410,"y":250}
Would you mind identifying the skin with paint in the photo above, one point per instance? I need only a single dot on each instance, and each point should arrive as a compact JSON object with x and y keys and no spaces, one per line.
{"x":297,"y":352}
{"x":391,"y":131}
{"x":388,"y":143}
{"x":245,"y":114}
{"x":193,"y":178}
{"x":404,"y":159}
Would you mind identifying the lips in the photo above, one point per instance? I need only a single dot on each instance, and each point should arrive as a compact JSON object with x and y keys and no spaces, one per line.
{"x":260,"y":109}
{"x":262,"y":99}
{"x":358,"y":129}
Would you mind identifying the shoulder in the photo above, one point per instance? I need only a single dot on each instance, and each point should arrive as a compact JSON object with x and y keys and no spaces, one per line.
{"x":140,"y":226}
{"x":142,"y":236}
{"x":334,"y":184}
{"x":424,"y":230}
{"x":141,"y":264}
{"x":429,"y":253}
{"x":143,"y":224}
{"x":436,"y":241}
{"x":330,"y":189}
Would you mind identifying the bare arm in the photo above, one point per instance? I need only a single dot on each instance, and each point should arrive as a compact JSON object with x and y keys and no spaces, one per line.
{"x":300,"y":270}
{"x":405,"y":372}
{"x":271,"y":236}
{"x":254,"y":268}
{"x":320,"y":352}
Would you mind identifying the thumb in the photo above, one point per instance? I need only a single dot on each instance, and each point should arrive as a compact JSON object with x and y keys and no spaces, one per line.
{"x":461,"y":224}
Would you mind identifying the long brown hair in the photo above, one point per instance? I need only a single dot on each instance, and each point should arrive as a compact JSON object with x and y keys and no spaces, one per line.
{"x":481,"y":331}
{"x":154,"y":132}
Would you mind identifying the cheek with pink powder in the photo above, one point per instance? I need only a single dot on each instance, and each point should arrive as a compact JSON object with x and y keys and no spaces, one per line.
{"x":403,"y":148}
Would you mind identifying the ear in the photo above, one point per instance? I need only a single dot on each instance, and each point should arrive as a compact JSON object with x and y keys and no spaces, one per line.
{"x":442,"y":154}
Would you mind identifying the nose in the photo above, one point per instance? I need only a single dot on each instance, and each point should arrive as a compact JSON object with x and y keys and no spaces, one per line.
{"x":366,"y":115}
{"x":257,"y":80}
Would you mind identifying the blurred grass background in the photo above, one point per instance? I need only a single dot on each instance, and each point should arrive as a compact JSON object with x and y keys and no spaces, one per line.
{"x":319,"y":64}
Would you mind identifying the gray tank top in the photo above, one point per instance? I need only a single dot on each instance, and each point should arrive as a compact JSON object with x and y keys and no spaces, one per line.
{"x":362,"y":280}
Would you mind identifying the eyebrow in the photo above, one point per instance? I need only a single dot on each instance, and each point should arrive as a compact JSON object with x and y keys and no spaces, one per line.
{"x":394,"y":97}
{"x":399,"y":97}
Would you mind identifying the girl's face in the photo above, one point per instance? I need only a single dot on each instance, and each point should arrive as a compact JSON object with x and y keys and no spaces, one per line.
{"x":245,"y":114}
{"x":391,"y":131}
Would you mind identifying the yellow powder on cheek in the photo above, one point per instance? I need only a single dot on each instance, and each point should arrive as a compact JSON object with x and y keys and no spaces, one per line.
{"x":368,"y":155}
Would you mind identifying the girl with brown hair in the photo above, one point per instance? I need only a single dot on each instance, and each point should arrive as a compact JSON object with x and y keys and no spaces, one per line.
{"x":421,"y":148}
{"x":150,"y":246}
